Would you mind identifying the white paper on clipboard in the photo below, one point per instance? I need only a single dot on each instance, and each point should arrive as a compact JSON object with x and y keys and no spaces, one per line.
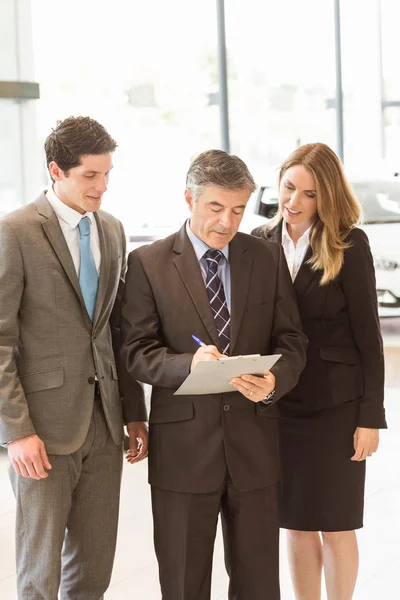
{"x":212,"y":376}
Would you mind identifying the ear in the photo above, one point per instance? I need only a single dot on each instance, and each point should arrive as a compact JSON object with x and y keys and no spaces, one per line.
{"x":189,"y":199}
{"x":55,"y":171}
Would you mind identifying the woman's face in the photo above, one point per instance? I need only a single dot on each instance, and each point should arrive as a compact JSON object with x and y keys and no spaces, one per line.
{"x":298,"y":197}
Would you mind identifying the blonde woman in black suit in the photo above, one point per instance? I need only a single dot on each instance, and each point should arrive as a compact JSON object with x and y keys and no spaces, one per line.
{"x":330,"y":421}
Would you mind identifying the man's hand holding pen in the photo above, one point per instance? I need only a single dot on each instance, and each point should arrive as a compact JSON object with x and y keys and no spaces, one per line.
{"x":253,"y":387}
{"x":206,"y":353}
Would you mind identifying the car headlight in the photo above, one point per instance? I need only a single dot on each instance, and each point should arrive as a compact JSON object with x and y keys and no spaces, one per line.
{"x":385,"y":265}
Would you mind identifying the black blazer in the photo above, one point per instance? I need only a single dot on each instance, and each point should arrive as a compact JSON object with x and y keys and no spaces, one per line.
{"x":345,"y":353}
{"x":195,"y":440}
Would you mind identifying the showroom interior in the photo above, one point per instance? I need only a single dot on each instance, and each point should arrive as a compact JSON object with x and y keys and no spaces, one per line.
{"x":257,"y":79}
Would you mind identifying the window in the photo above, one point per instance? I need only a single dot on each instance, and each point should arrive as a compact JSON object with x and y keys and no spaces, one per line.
{"x":149,"y":78}
{"x":281,"y":79}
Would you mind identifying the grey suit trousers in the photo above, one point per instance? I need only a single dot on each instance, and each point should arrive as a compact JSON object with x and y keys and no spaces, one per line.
{"x":66,"y":525}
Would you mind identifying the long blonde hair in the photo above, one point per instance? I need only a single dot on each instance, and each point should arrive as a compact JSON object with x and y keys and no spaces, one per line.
{"x":338,"y":209}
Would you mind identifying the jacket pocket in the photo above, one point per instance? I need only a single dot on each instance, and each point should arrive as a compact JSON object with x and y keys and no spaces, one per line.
{"x":114,"y":372}
{"x":345,"y":373}
{"x":42,"y":380}
{"x":263,"y":304}
{"x":348,"y":356}
{"x":172,"y":413}
{"x":268,"y":410}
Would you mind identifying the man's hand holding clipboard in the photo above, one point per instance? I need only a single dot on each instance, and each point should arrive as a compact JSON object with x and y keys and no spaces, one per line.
{"x":212,"y":373}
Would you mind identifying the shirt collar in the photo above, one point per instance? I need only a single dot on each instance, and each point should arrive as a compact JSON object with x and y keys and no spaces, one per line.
{"x":286,"y":237}
{"x":200,"y":247}
{"x":66,"y":213}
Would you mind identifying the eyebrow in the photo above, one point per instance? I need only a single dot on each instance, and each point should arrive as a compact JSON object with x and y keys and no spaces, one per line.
{"x":288,"y":180}
{"x":215,"y":202}
{"x":97,"y":172}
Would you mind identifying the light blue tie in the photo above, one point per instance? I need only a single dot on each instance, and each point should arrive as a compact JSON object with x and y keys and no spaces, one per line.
{"x":88,"y":277}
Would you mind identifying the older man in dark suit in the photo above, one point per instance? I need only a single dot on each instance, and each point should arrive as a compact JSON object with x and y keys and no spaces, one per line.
{"x":218,"y":452}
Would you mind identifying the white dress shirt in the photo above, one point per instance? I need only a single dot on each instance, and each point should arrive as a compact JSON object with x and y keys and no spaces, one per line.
{"x":294,"y":254}
{"x":69,"y":221}
{"x":224,"y":271}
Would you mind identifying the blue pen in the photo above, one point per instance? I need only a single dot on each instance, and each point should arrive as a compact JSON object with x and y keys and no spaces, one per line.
{"x":199,"y":342}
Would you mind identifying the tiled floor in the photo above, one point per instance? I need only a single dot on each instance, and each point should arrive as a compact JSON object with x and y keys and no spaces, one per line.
{"x":135,"y":572}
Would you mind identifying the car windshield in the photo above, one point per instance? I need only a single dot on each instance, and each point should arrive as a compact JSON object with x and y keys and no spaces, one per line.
{"x":380,"y":201}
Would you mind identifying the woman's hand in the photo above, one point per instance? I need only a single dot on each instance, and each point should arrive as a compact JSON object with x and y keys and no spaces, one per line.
{"x":366,"y":442}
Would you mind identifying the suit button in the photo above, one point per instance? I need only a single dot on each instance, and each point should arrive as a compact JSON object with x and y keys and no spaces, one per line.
{"x":226,"y":407}
{"x":91,"y":380}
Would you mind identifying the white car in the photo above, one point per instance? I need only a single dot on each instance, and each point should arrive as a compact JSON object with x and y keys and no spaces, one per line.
{"x":381,"y":204}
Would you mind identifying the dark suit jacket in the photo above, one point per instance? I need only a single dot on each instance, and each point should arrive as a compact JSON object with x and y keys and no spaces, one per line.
{"x":194,"y":440}
{"x":50,"y":350}
{"x":345,"y":352}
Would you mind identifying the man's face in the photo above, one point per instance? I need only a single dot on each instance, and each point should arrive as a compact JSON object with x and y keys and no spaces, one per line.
{"x":83,"y":188}
{"x":216,"y":214}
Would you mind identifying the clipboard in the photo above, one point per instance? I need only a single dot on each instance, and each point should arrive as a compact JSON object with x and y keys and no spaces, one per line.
{"x":212,"y":376}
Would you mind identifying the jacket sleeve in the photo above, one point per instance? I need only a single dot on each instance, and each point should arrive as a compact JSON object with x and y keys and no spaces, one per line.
{"x":131,"y":390}
{"x":15,"y":422}
{"x":359,"y":287}
{"x":143,"y":351}
{"x":288,"y":338}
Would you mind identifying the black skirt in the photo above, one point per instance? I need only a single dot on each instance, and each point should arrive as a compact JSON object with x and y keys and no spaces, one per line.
{"x":322,"y":489}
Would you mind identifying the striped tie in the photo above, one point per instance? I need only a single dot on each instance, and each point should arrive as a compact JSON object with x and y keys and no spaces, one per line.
{"x":216,"y":295}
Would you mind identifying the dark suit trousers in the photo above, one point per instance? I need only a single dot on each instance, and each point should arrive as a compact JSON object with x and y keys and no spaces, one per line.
{"x":66,"y":525}
{"x":184,"y":533}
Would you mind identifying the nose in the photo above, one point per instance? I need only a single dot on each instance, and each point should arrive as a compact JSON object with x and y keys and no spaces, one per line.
{"x":294,"y":197}
{"x":102,"y":185}
{"x":226,"y":220}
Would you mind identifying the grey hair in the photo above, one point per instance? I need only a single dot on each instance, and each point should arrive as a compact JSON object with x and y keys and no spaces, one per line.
{"x":220,"y":169}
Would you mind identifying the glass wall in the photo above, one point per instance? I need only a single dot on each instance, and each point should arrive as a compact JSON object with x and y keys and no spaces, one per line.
{"x":282,"y":78}
{"x":149,"y":75}
{"x":362,"y":88}
{"x":148,"y":72}
{"x":10,"y":152}
{"x":391,"y":80}
{"x":20,"y":157}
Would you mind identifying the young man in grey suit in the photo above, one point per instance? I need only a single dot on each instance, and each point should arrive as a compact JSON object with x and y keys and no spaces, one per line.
{"x":62,"y":270}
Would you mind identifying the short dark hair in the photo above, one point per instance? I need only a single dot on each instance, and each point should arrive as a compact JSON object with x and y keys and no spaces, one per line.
{"x":75,"y":137}
{"x":218,"y":168}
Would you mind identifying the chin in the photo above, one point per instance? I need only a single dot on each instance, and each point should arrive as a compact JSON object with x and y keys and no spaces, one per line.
{"x":219,"y":243}
{"x":93,"y":206}
{"x":294,"y":219}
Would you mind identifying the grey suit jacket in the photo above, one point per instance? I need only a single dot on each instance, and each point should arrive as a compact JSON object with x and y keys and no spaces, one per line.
{"x":50,"y":351}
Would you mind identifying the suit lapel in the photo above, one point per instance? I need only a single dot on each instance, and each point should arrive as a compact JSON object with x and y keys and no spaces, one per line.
{"x":240,"y":265}
{"x":275,"y":234}
{"x":305,"y":275}
{"x":54,"y":234}
{"x":188,"y":268}
{"x":104,"y":275}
